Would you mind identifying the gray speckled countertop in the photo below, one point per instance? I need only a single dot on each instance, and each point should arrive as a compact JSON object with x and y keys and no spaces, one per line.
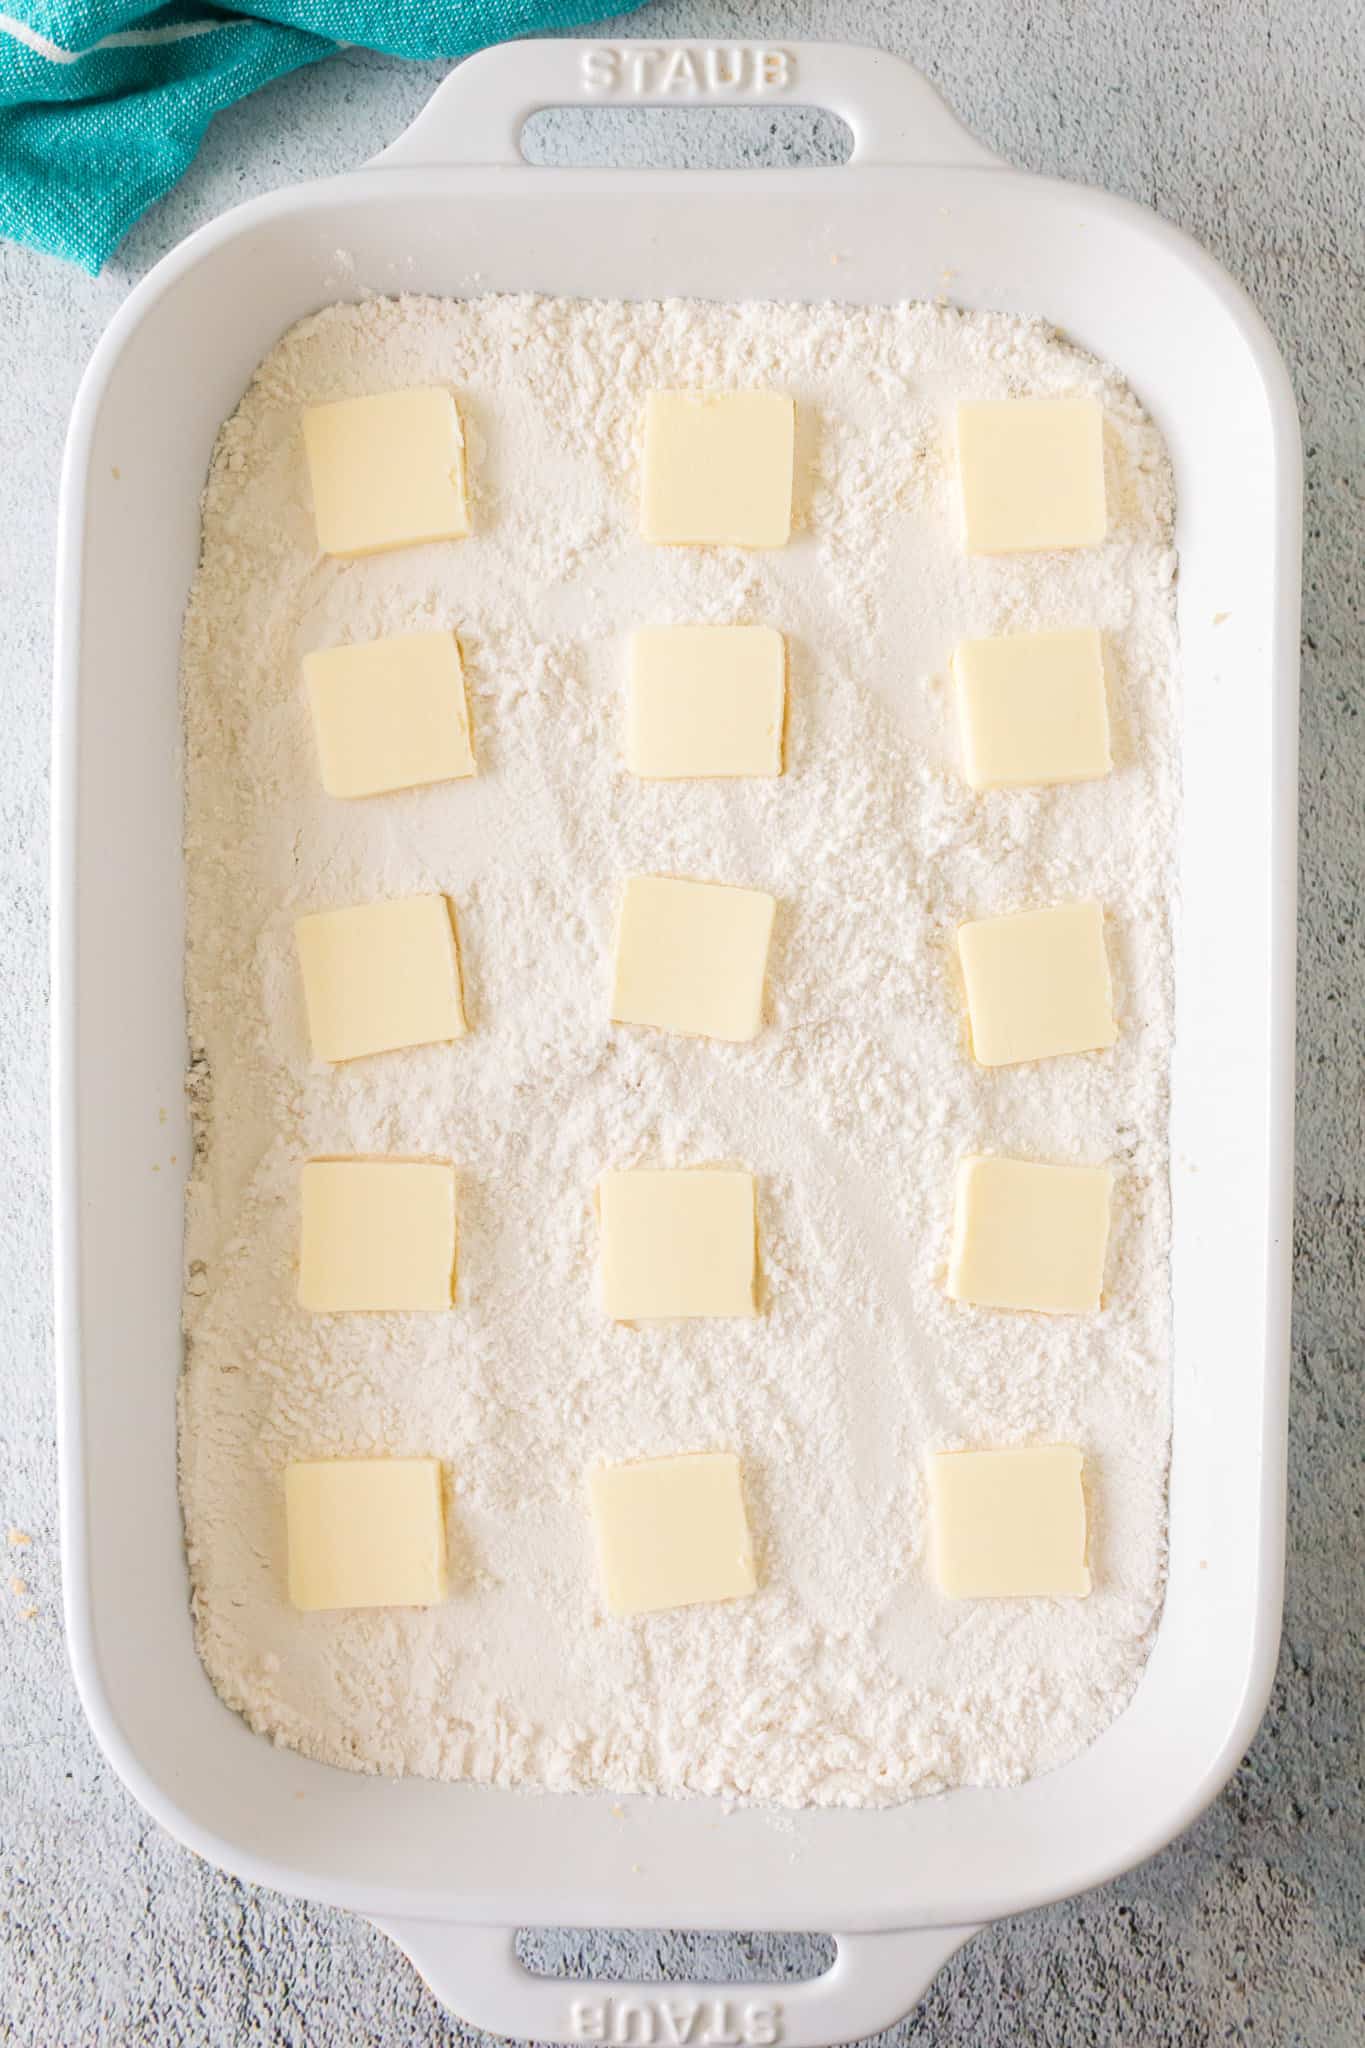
{"x":1243,"y":120}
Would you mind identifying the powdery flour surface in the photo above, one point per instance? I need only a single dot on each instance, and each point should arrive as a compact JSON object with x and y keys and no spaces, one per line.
{"x":847,"y":1679}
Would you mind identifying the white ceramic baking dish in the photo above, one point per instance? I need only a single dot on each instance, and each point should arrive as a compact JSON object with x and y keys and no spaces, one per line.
{"x":451,"y":1870}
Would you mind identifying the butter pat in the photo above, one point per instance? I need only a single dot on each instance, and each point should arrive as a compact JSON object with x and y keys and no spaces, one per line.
{"x":671,"y":1532}
{"x":365,"y":1532}
{"x":691,"y":956}
{"x":1009,"y":1524}
{"x":1029,"y":1236}
{"x":1037,"y":984}
{"x":376,"y":1234}
{"x":678,"y":1244}
{"x":380,"y":976}
{"x":718,"y":469}
{"x":389,"y":714}
{"x":1032,"y":474}
{"x":705,"y":700}
{"x":1032,"y":709}
{"x":387,"y":472}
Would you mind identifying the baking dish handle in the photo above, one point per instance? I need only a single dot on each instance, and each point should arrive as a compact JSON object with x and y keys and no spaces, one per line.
{"x":476,"y":115}
{"x":478,"y":1976}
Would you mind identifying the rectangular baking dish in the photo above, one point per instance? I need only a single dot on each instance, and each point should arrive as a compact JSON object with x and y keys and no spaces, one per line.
{"x":453,"y":209}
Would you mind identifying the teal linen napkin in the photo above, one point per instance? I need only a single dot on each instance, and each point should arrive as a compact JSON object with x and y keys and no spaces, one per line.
{"x":104,"y":102}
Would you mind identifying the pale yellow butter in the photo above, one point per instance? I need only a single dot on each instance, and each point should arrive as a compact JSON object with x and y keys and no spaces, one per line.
{"x":1032,"y":472}
{"x":672,"y":1532}
{"x":678,"y":1243}
{"x":365,"y":1532}
{"x":378,"y":976}
{"x":705,"y":700}
{"x":1037,"y":984}
{"x":1029,"y":1236}
{"x":718,"y":468}
{"x":691,"y":956}
{"x":387,"y":472}
{"x":1032,"y":709}
{"x":1009,"y":1524}
{"x":376,"y":1234}
{"x":389,"y":714}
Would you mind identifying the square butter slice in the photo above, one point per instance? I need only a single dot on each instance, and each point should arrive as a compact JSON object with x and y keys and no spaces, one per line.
{"x":1032,"y":709}
{"x":376,"y":1234}
{"x":365,"y":1532}
{"x":718,"y":468}
{"x":387,"y":472}
{"x":1032,"y":473}
{"x":379,"y":976}
{"x":678,"y":1243}
{"x":691,"y":956}
{"x":705,"y":700}
{"x":1009,"y":1524}
{"x":389,"y":714}
{"x":1037,"y":984}
{"x":672,"y":1532}
{"x":1029,"y":1236}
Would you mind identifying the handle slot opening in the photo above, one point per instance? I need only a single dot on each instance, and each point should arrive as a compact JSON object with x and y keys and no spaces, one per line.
{"x":697,"y":138}
{"x":637,"y":1955}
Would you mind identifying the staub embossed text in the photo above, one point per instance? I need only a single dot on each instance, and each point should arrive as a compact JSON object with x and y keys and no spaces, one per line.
{"x":689,"y":71}
{"x":676,"y":2022}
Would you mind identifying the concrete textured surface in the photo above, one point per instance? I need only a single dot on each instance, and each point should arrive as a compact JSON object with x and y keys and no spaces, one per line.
{"x":1243,"y":120}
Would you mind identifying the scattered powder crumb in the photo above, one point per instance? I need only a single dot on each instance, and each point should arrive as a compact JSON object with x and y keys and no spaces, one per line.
{"x":18,"y":1587}
{"x":847,"y":1680}
{"x":18,"y":1538}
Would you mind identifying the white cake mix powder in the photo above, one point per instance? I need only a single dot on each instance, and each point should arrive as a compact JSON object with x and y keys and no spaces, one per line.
{"x":848,"y":1679}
